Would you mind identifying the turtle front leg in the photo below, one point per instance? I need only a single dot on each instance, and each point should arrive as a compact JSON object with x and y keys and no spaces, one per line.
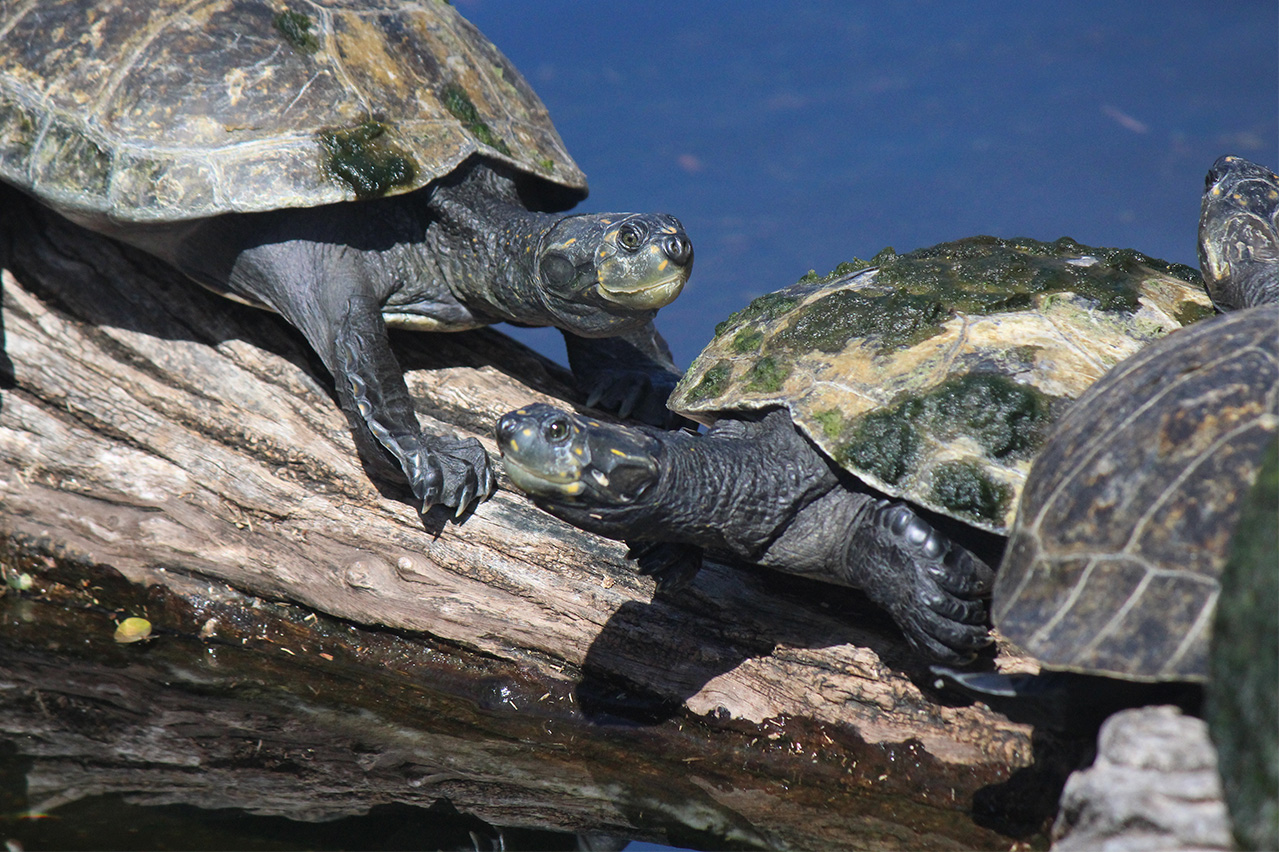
{"x":448,"y":471}
{"x":632,"y":374}
{"x":936,"y":590}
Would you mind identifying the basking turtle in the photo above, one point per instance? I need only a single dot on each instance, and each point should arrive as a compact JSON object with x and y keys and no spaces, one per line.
{"x":930,"y":377}
{"x":1114,"y":561}
{"x":350,"y":166}
{"x":1238,"y":230}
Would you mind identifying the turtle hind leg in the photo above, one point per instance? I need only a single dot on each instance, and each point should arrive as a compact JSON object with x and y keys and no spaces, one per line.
{"x":937,"y":591}
{"x":448,"y":471}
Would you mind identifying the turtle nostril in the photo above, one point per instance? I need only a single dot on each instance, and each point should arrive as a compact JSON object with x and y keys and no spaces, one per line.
{"x":678,"y":249}
{"x":506,"y":426}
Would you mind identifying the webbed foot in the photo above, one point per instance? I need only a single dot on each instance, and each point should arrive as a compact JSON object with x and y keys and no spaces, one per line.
{"x":937,"y":591}
{"x":637,"y":394}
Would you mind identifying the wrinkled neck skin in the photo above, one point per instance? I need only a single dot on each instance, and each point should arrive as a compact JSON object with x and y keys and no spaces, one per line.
{"x":743,"y":490}
{"x":483,"y":245}
{"x":486,"y":247}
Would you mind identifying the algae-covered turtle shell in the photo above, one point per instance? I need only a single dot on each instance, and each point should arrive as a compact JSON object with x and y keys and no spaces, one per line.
{"x":166,"y":110}
{"x":1113,"y":565}
{"x":933,"y":375}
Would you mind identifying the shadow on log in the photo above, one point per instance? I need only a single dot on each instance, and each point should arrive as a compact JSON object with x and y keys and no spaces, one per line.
{"x":168,"y":453}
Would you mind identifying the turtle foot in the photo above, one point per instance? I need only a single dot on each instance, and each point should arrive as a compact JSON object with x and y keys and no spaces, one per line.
{"x":937,"y":591}
{"x":450,"y":472}
{"x":637,"y":394}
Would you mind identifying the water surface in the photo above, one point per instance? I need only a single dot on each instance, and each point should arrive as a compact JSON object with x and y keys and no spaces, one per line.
{"x":790,"y":136}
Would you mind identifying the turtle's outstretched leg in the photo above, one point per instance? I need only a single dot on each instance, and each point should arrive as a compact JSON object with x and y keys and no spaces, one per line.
{"x":449,"y":471}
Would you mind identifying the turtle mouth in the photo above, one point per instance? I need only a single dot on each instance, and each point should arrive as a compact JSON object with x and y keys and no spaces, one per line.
{"x":647,"y":295}
{"x":541,"y":484}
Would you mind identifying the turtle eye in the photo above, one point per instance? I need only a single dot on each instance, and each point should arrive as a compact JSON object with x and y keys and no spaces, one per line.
{"x":557,"y":430}
{"x":630,"y":236}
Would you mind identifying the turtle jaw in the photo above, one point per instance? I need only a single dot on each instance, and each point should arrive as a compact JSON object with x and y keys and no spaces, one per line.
{"x":538,"y":483}
{"x":643,"y":261}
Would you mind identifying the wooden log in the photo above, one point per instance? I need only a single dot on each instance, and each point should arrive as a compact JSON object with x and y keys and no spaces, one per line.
{"x":154,"y":431}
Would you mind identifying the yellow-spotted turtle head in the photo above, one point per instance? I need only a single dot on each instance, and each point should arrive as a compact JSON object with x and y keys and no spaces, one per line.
{"x":1238,"y":227}
{"x":601,"y":273}
{"x":563,"y":458}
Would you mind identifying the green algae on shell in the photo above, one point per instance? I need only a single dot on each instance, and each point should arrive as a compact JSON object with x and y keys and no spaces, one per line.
{"x":934,"y":375}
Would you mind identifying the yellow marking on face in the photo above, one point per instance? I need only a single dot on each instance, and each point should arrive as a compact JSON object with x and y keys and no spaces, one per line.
{"x":570,"y":241}
{"x":515,"y":445}
{"x":592,"y":423}
{"x":573,"y":488}
{"x":521,"y":411}
{"x":1236,"y":196}
{"x":611,"y":235}
{"x":617,"y":452}
{"x":527,"y":432}
{"x":577,"y":451}
{"x":1217,"y":190}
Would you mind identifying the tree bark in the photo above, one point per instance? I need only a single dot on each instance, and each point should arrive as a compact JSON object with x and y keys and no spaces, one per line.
{"x":188,"y":445}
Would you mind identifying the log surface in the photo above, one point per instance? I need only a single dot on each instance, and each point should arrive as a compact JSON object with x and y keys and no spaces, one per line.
{"x":181,"y":441}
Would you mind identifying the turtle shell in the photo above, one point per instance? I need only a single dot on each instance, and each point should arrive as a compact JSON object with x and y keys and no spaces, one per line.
{"x":934,"y":375}
{"x":1114,"y":562}
{"x":165,"y":110}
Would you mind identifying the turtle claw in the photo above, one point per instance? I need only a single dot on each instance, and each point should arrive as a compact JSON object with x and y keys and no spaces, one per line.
{"x":634,"y":394}
{"x":450,"y":472}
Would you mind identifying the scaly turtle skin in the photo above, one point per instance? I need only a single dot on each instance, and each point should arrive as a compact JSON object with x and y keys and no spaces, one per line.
{"x":940,"y":366}
{"x":350,"y":167}
{"x":1114,"y":562}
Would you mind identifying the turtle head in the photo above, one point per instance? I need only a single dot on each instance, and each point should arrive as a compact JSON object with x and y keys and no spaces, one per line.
{"x":604,"y":271}
{"x":1238,"y":233}
{"x":565,"y":459}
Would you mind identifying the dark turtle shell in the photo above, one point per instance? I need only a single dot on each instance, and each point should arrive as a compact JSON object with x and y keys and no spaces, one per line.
{"x":166,"y":110}
{"x":1114,"y":561}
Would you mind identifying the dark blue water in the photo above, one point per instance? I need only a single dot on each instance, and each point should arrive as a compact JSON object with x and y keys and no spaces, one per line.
{"x":789,"y":136}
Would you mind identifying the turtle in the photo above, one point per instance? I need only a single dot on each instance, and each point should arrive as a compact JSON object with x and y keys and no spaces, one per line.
{"x":848,"y":412}
{"x":1114,"y":558}
{"x":350,"y":167}
{"x":1140,"y":569}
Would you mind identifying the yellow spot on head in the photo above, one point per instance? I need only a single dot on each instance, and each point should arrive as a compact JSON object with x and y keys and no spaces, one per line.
{"x":570,"y":241}
{"x":662,"y":266}
{"x":514,"y":445}
{"x":527,"y":432}
{"x":573,"y":488}
{"x":617,"y":452}
{"x":577,"y":451}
